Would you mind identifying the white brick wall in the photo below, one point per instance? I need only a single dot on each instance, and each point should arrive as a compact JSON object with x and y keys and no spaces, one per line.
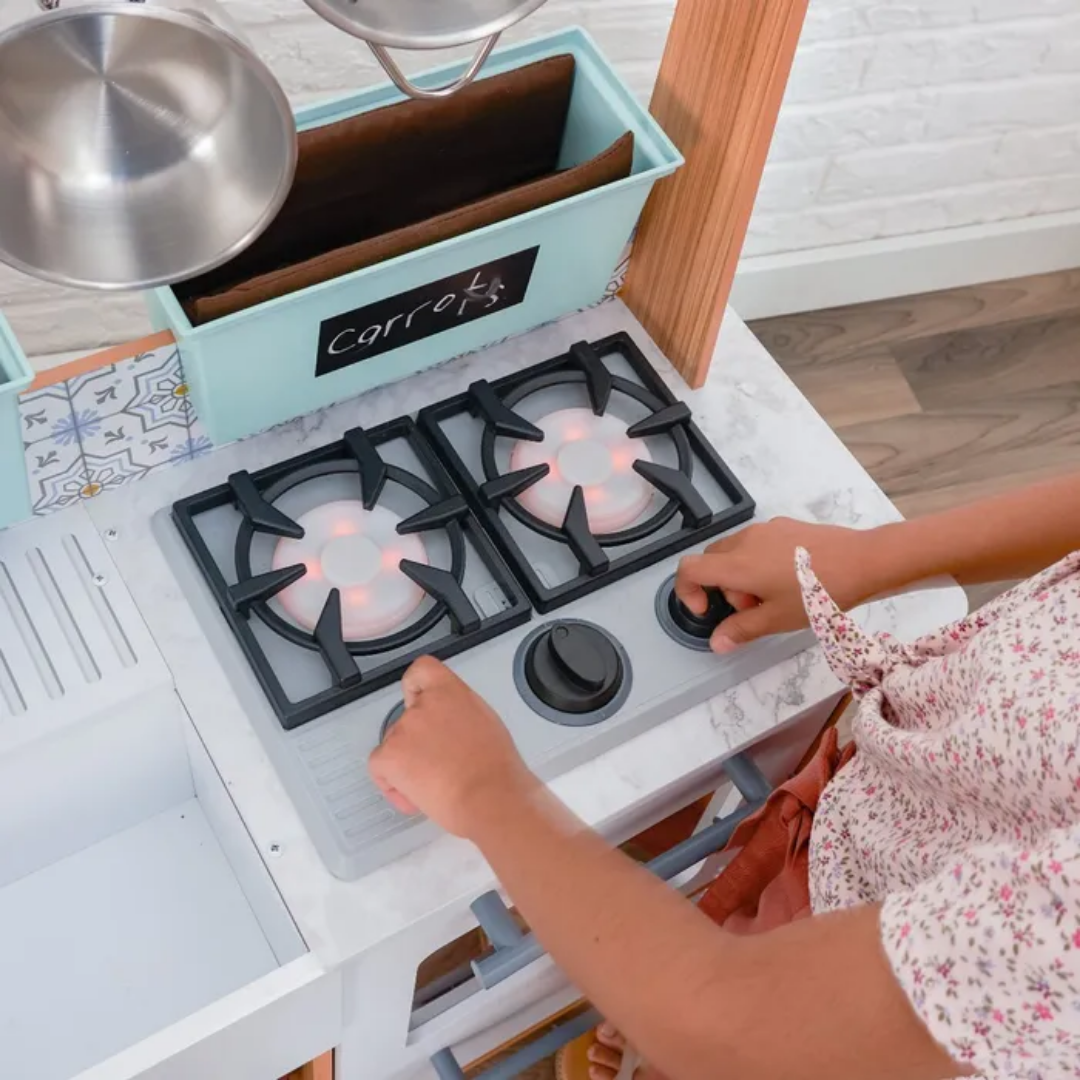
{"x":909,"y":116}
{"x":902,"y":116}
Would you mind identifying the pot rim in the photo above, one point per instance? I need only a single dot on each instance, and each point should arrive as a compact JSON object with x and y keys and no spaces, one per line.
{"x":424,"y":41}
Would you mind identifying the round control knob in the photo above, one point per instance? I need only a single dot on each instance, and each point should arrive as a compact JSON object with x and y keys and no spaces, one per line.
{"x":574,"y":668}
{"x":700,"y":626}
{"x":392,"y":717}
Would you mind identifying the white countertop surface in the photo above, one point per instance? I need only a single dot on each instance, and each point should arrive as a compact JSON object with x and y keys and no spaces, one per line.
{"x":783,"y":452}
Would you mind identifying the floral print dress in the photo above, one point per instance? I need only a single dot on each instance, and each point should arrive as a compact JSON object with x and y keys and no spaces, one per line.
{"x":961,"y":813}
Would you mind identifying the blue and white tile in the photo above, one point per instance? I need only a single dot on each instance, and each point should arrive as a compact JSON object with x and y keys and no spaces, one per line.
{"x":197,"y":430}
{"x":110,"y":469}
{"x":160,"y":394}
{"x":123,"y":441}
{"x":57,"y":474}
{"x":103,"y":392}
{"x":618,"y":277}
{"x":83,"y":424}
{"x":46,"y":414}
{"x":196,"y":446}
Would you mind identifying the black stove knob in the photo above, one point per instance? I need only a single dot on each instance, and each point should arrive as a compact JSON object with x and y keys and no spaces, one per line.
{"x":392,"y":717}
{"x":700,"y":626}
{"x":574,"y":668}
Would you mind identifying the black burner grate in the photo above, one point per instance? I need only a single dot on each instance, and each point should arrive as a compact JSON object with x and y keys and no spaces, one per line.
{"x":495,"y":494}
{"x":254,"y":496}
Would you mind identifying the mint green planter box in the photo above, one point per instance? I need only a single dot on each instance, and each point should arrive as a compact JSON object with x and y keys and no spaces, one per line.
{"x":258,"y":367}
{"x":15,"y":376}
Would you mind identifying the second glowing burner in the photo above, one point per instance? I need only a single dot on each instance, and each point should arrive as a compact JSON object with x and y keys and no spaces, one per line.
{"x":593,"y":452}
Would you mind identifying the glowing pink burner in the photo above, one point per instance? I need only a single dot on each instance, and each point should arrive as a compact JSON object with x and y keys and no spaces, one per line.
{"x":357,"y":551}
{"x":591,"y":451}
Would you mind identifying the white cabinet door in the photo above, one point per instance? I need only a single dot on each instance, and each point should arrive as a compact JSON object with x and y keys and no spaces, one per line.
{"x":261,"y":1032}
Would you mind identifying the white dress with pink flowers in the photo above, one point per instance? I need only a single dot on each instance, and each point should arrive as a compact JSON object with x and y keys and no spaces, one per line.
{"x":961,"y":812}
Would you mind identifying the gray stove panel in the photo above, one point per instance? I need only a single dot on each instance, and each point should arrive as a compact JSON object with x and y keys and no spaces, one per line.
{"x":323,"y":763}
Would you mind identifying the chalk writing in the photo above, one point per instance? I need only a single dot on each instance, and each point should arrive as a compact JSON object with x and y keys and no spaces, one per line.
{"x":423,"y":312}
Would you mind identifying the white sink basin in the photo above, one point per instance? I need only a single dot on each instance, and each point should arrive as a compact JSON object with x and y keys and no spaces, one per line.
{"x":140,"y":933}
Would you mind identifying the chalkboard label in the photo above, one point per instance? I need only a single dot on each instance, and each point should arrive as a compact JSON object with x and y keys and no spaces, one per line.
{"x":423,"y":312}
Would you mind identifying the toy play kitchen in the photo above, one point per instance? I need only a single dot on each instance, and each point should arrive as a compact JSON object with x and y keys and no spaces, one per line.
{"x":384,"y":415}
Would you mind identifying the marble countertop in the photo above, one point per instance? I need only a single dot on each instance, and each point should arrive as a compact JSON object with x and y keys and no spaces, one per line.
{"x":780,"y":448}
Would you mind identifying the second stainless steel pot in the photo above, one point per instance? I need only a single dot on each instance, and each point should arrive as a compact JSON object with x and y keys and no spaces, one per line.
{"x":425,"y":24}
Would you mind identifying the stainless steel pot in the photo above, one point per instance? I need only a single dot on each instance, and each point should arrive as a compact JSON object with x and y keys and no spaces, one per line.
{"x":425,"y":24}
{"x":140,"y":143}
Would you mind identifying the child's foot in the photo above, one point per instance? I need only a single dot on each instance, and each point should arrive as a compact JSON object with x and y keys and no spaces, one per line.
{"x":606,"y":1054}
{"x":607,"y":1057}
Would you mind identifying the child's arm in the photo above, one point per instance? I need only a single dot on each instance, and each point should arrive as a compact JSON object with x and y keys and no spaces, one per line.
{"x":1008,"y":536}
{"x":816,"y":1000}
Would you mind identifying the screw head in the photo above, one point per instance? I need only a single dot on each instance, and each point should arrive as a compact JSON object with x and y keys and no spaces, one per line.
{"x":111,"y":534}
{"x":275,"y":850}
{"x":100,"y":580}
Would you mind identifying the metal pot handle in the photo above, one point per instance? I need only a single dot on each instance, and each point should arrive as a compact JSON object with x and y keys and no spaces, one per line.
{"x":401,"y":80}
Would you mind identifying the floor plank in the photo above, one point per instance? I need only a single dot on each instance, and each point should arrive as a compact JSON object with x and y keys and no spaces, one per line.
{"x":796,"y":340}
{"x":988,"y":393}
{"x":983,"y":441}
{"x":933,"y":500}
{"x":857,"y":389}
{"x":994,"y":361}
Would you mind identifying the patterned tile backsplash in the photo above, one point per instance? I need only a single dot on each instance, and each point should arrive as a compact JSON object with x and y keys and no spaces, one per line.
{"x":100,"y":430}
{"x":120,"y":421}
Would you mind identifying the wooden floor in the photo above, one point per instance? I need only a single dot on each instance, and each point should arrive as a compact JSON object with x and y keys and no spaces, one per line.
{"x":948,"y":396}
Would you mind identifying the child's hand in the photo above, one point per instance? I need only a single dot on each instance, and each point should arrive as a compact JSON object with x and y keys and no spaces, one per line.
{"x":448,"y":756}
{"x":755,"y":569}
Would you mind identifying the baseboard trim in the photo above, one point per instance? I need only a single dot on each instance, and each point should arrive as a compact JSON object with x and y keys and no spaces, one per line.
{"x":771,"y":285}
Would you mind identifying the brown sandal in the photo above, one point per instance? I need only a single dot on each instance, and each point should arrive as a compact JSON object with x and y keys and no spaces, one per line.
{"x":572,"y":1061}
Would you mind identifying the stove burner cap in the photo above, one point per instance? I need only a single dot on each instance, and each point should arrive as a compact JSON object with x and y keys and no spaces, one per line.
{"x":586,"y":462}
{"x":358,"y":552}
{"x":593,"y":453}
{"x":351,"y":560}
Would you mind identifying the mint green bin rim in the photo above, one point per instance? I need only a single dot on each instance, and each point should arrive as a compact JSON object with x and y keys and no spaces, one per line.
{"x":14,"y":490}
{"x":227,"y":335}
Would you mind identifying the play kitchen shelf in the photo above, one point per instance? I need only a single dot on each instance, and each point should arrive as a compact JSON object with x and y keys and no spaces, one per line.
{"x":442,"y":291}
{"x":15,"y":376}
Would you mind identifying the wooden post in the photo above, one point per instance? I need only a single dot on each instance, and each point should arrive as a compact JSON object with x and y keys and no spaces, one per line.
{"x":721,"y":82}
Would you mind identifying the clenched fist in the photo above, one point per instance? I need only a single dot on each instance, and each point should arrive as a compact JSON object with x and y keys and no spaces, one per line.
{"x":448,"y":756}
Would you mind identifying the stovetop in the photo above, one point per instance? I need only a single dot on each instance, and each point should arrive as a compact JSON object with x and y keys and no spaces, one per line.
{"x":491,"y":532}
